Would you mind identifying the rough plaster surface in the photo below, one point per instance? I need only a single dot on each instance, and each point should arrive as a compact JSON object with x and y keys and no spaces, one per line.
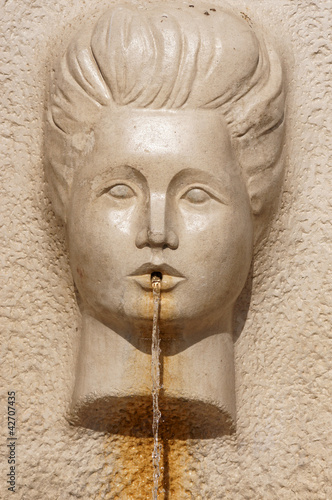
{"x":282,"y":448}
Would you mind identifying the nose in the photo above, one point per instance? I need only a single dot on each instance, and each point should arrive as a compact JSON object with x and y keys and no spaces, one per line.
{"x":156,"y":231}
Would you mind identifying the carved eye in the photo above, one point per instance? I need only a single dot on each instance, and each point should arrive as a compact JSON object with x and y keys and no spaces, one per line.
{"x":121,"y":191}
{"x":196,"y":196}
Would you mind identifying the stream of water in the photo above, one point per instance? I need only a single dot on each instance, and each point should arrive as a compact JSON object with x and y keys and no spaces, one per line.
{"x":155,"y":373}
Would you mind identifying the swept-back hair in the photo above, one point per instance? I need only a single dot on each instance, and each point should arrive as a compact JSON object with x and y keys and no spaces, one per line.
{"x":169,"y":57}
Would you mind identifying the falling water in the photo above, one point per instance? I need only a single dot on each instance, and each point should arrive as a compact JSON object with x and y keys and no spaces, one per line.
{"x":155,"y":372}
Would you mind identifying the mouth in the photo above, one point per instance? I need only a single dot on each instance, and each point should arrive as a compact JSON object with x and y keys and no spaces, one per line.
{"x":168,"y":276}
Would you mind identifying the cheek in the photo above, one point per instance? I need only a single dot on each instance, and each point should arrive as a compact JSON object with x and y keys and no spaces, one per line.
{"x":119,"y":217}
{"x":227,"y":228}
{"x":236,"y":235}
{"x":91,"y":244}
{"x":101,"y":242}
{"x":95,"y":225}
{"x":236,"y":250}
{"x":226,"y":248}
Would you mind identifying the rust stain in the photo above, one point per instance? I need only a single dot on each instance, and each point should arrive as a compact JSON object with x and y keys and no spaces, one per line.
{"x":132,"y":475}
{"x":148,"y":302}
{"x":168,"y":311}
{"x":167,"y":306}
{"x":128,"y":470}
{"x":246,"y":18}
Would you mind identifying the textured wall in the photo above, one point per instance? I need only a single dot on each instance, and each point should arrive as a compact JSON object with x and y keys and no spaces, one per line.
{"x":283,"y":367}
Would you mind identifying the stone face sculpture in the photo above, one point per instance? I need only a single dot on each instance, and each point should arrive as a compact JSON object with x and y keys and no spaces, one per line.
{"x":163,"y":138}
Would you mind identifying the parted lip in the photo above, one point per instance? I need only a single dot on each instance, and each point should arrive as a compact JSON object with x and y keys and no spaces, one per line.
{"x":170,"y":276}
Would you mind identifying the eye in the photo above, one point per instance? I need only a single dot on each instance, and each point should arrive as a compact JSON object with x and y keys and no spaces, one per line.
{"x":121,"y":191}
{"x":196,"y":196}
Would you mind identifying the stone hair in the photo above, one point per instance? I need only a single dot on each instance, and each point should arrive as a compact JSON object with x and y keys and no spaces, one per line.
{"x":168,"y":57}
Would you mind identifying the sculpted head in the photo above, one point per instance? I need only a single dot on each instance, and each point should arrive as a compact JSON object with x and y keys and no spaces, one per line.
{"x":164,"y":129}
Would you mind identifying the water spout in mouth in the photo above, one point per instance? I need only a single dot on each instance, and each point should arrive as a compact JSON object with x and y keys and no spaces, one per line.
{"x":155,"y":373}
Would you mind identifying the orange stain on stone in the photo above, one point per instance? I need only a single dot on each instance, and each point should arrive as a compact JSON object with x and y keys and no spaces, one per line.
{"x":132,"y":474}
{"x":129,"y":458}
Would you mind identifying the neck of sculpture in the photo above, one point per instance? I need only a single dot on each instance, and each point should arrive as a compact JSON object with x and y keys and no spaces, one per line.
{"x":113,"y":376}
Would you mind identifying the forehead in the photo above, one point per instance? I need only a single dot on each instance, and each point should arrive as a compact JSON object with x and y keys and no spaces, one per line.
{"x":151,"y":140}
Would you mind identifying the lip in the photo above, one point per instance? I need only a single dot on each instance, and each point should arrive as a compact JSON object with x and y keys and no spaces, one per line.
{"x":170,"y":276}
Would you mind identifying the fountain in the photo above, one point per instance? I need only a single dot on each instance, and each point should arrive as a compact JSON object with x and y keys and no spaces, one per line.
{"x":164,"y":131}
{"x":155,"y":375}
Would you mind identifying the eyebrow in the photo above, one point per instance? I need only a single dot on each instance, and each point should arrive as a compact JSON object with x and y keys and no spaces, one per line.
{"x":194,"y":175}
{"x":221,"y":188}
{"x":119,"y":171}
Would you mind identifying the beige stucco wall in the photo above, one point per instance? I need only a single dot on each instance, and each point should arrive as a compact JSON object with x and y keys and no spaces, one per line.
{"x":283,"y":355}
